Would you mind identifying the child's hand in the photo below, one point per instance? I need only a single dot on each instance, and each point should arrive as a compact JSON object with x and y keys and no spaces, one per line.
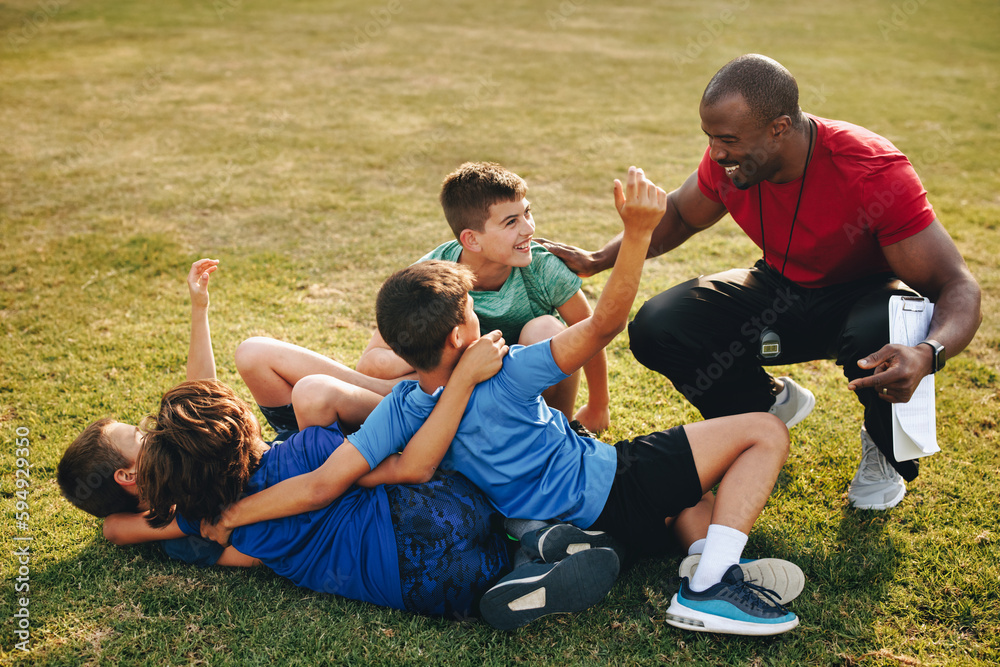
{"x":198,"y":281}
{"x":640,"y":203}
{"x":483,"y":359}
{"x":215,"y":532}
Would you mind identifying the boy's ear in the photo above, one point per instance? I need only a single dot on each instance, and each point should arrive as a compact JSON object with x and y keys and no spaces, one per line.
{"x":469,"y":240}
{"x":125,"y":477}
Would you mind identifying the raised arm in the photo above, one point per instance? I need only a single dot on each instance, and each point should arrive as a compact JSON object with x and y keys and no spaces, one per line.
{"x":688,"y":212}
{"x":930,"y":263}
{"x":641,"y":205}
{"x":201,"y":360}
{"x":595,"y":414}
{"x":346,"y":465}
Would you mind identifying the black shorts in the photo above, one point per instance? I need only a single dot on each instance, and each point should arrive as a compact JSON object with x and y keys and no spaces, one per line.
{"x":656,"y":479}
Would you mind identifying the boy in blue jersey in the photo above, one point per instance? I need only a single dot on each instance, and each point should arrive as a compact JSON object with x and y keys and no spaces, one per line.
{"x":531,"y":464}
{"x":520,"y":288}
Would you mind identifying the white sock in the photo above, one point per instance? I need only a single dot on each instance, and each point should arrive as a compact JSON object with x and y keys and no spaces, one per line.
{"x":723,"y":548}
{"x":697,"y":547}
{"x":782,"y":396}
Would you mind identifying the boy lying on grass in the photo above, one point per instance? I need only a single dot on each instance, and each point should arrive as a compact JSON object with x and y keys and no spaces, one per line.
{"x":428,"y":547}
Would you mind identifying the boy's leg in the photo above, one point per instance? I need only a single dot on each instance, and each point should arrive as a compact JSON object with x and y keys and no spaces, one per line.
{"x":743,"y":454}
{"x":270,"y":368}
{"x":320,"y":400}
{"x":561,"y":396}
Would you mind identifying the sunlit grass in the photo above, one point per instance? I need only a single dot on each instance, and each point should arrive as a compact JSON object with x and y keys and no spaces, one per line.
{"x":304,"y":144}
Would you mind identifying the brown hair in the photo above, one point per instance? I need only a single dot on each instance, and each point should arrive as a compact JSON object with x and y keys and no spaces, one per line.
{"x":468,"y":193}
{"x":200,"y":450}
{"x":417,"y":308}
{"x":86,"y":473}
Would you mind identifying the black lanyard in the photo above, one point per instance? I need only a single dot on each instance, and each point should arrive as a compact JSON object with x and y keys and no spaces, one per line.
{"x":795,"y":215}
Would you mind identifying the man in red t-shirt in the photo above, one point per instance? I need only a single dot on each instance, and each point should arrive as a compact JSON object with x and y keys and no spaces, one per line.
{"x":843,"y":223}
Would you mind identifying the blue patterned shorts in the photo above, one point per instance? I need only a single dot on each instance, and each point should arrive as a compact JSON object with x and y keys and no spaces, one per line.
{"x":451,"y":545}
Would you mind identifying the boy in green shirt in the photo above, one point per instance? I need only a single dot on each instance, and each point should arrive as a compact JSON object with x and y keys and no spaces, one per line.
{"x":520,"y":288}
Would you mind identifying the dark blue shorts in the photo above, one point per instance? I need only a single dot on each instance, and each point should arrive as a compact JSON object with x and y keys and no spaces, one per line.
{"x":282,"y":420}
{"x":451,"y":545}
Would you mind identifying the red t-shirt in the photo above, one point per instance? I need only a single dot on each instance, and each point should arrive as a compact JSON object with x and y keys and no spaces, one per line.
{"x":860,"y":194}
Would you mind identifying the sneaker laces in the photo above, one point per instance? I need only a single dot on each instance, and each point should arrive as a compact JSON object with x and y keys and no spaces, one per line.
{"x":874,"y":466}
{"x":757,"y":596}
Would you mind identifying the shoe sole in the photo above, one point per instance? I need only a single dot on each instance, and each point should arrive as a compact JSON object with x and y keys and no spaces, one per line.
{"x":879,"y":506}
{"x":686,"y":618}
{"x":564,"y":540}
{"x":572,"y":585}
{"x":784,"y":578}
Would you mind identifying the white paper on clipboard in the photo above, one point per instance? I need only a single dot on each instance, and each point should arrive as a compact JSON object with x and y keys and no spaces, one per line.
{"x":914,"y":425}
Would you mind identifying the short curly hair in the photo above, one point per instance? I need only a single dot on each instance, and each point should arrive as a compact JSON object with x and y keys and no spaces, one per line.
{"x":768,"y":88}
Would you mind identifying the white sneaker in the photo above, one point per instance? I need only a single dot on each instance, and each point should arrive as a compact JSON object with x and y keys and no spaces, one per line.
{"x":876,"y":484}
{"x":798,"y":406}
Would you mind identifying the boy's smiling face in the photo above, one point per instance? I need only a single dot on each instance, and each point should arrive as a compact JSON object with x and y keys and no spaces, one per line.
{"x":507,"y":233}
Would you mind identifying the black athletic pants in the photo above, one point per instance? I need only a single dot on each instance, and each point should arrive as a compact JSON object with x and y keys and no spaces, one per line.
{"x":704,"y":336}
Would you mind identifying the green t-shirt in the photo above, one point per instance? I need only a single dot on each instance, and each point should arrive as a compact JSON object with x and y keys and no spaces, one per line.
{"x":530,"y":291}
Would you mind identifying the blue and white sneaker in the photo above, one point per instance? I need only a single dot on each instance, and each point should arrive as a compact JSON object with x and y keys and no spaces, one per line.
{"x":531,"y":591}
{"x":732,"y":606}
{"x":783,"y":578}
{"x":557,"y":541}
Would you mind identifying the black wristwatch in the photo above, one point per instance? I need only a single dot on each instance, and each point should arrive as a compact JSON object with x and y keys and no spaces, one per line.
{"x":938,"y":354}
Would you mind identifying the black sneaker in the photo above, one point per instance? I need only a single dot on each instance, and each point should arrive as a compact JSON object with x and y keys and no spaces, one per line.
{"x":732,"y":606}
{"x":539,"y":589}
{"x":555,"y":542}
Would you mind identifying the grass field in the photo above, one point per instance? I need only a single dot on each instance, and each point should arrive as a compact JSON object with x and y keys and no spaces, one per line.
{"x":302,"y":143}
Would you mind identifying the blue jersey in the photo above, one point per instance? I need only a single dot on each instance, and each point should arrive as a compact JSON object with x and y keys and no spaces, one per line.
{"x":519,"y":452}
{"x":347,"y":548}
{"x":425,"y":548}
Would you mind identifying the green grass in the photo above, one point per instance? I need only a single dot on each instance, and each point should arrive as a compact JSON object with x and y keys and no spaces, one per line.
{"x":306,"y":154}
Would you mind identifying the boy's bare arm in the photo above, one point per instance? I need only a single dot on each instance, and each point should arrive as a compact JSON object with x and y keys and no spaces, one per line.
{"x":595,"y":414}
{"x":132,"y":528}
{"x":128,"y":528}
{"x":295,"y":495}
{"x":346,"y":465}
{"x":379,"y":361}
{"x":641,"y":205}
{"x":201,"y":359}
{"x":422,"y":454}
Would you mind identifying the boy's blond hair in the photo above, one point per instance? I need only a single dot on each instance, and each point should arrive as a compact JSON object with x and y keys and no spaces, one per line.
{"x":468,"y":193}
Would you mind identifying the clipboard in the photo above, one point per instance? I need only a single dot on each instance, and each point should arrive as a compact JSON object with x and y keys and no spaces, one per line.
{"x":914,"y":425}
